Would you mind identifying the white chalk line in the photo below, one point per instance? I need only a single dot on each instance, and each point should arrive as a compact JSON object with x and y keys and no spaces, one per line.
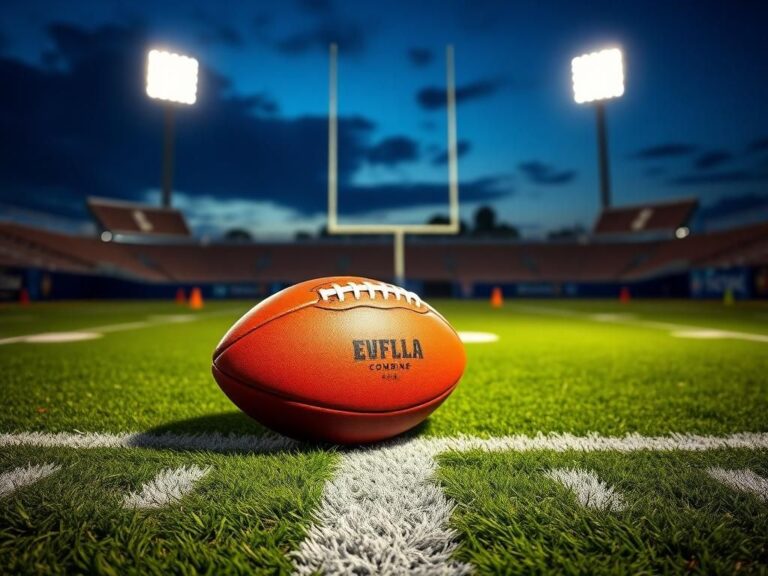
{"x":167,"y":488}
{"x":24,"y":476}
{"x":557,"y":442}
{"x":676,"y":330}
{"x":478,"y":337}
{"x":744,"y":480}
{"x":213,"y":442}
{"x":93,"y":332}
{"x":590,"y":491}
{"x":382,"y":514}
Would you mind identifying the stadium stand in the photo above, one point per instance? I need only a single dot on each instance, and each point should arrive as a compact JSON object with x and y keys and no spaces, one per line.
{"x":66,"y":253}
{"x":461,"y":261}
{"x":130,"y":218}
{"x":640,"y":218}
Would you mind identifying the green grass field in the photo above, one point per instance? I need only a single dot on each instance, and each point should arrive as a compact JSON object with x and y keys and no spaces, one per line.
{"x":655,"y":369}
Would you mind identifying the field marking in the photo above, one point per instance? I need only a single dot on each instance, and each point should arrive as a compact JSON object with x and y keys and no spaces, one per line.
{"x":742,"y":480}
{"x":478,"y":337}
{"x":611,"y":317}
{"x":168,"y":487}
{"x":59,"y":337}
{"x":382,"y":514}
{"x":590,"y":491}
{"x":676,"y":330}
{"x":98,"y":331}
{"x":24,"y":476}
{"x":557,"y":442}
{"x":711,"y":334}
{"x":214,"y":441}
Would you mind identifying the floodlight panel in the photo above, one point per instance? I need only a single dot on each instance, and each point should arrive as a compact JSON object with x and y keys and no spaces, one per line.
{"x":598,"y":76}
{"x":171,"y":77}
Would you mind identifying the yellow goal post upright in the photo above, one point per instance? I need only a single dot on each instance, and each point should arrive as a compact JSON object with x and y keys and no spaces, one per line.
{"x":397,"y":230}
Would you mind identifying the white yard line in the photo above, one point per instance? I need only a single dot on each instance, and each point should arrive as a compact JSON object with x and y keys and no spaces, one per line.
{"x":590,"y":491}
{"x":24,"y":476}
{"x":478,"y":337}
{"x":168,"y":487}
{"x":89,"y":333}
{"x":382,"y":514}
{"x":677,"y":330}
{"x":742,"y":480}
{"x":217,"y":442}
{"x":213,"y":442}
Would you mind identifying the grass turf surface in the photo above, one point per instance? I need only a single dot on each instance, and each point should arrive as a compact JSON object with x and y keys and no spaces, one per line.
{"x":558,"y":367}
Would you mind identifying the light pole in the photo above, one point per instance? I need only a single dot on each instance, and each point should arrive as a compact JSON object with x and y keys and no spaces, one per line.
{"x":598,"y":77}
{"x":171,"y":78}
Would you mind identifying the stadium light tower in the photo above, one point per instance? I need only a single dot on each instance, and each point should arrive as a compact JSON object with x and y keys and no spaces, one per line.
{"x":598,"y":77}
{"x":171,"y":78}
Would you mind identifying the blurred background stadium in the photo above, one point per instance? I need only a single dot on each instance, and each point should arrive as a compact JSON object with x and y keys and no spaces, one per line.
{"x":94,"y":203}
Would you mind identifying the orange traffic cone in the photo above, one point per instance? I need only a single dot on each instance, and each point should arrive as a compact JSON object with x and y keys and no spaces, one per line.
{"x":196,"y":299}
{"x":181,"y":297}
{"x":497,"y":298}
{"x":24,"y":297}
{"x":624,"y":295}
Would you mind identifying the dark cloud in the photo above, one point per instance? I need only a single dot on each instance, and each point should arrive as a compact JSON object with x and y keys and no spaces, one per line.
{"x":433,"y":98}
{"x":316,"y":6}
{"x":360,"y":199}
{"x":260,"y":23}
{"x":421,"y":56}
{"x":653,"y":171}
{"x":758,"y":145}
{"x":393,"y":151}
{"x":729,"y":177}
{"x":349,"y":36}
{"x":462,"y":148}
{"x":540,"y":173}
{"x":661,"y":151}
{"x":222,"y":34}
{"x":258,"y":104}
{"x":87,"y":128}
{"x":713,"y":159}
{"x":731,"y":205}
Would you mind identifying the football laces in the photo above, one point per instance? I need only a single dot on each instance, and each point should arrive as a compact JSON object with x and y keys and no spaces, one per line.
{"x":372,"y":289}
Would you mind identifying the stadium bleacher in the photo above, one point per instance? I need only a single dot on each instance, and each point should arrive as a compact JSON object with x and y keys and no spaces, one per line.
{"x":455,"y":260}
{"x":660,"y":217}
{"x":134,"y":219}
{"x":630,"y":245}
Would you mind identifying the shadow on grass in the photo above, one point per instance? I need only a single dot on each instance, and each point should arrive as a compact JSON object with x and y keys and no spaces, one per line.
{"x":234,"y":422}
{"x":236,"y":432}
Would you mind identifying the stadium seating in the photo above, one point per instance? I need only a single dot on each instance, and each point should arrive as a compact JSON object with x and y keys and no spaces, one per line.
{"x":456,"y":260}
{"x":642,"y":218}
{"x":137,"y":219}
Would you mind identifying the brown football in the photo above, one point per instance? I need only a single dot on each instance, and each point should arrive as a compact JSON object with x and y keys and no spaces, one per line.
{"x":341,"y":359}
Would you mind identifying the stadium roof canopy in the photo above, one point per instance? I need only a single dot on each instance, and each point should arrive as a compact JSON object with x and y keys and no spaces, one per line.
{"x":649,"y":217}
{"x":134,"y":219}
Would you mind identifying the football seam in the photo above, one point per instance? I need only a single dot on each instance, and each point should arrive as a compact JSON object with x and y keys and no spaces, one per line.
{"x":396,"y":307}
{"x":263,"y":390}
{"x":220,"y":351}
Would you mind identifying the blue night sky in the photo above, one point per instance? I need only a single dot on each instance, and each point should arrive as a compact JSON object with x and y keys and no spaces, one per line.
{"x":251,"y":153}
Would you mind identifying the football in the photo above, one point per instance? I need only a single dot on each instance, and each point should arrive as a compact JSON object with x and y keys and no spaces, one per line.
{"x":344,"y":359}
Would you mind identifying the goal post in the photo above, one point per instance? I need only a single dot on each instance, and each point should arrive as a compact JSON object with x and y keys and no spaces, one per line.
{"x":397,"y":230}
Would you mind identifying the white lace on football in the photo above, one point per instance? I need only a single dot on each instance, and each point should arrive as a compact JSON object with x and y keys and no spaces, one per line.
{"x":356,"y":289}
